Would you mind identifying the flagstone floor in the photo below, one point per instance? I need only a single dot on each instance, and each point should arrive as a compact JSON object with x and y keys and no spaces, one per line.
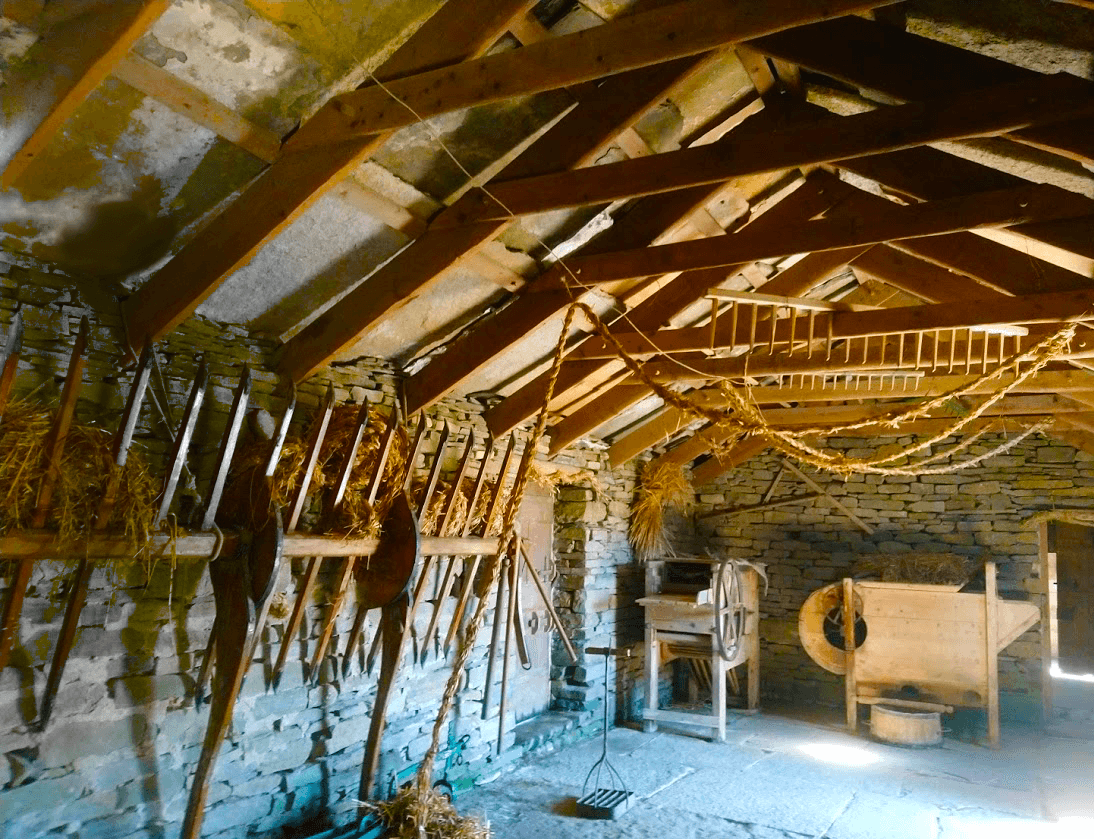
{"x":778,"y":777}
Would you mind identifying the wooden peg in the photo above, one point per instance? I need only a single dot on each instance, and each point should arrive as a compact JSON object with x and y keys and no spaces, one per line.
{"x":752,"y":327}
{"x":793,"y":329}
{"x":811,"y":327}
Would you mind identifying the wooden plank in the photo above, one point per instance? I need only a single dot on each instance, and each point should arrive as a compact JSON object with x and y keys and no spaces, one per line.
{"x":75,"y":58}
{"x":719,"y":463}
{"x":183,"y":98}
{"x":1047,"y":558}
{"x":1001,"y":208}
{"x":625,"y":43}
{"x":295,"y":181}
{"x":910,"y":67}
{"x":930,"y":282}
{"x":576,"y":140}
{"x":43,"y":545}
{"x":850,"y":685}
{"x":1027,"y":309}
{"x":805,"y":142}
{"x":927,"y":174}
{"x":991,"y":652}
{"x":765,"y":505}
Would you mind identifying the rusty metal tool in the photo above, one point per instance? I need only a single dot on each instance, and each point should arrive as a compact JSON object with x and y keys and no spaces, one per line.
{"x":54,"y":448}
{"x":296,"y":507}
{"x":228,"y":446}
{"x":77,"y":597}
{"x":415,"y":450}
{"x":242,"y":587}
{"x":182,"y":440}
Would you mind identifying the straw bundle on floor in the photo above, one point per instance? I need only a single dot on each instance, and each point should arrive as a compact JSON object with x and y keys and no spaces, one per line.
{"x":426,"y":814}
{"x":658,"y":487}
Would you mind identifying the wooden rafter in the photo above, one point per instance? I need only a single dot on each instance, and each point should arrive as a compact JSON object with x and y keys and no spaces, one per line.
{"x":295,"y":181}
{"x":79,"y":55}
{"x":602,"y":112}
{"x":805,"y":142}
{"x":627,"y":43}
{"x":910,"y":67}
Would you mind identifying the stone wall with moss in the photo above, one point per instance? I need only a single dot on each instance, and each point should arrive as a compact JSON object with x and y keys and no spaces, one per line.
{"x":118,"y":754}
{"x":978,"y":512}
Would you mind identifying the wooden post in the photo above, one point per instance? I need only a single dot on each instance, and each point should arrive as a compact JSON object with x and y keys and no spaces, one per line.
{"x":991,"y":652}
{"x":1048,"y":610}
{"x":653,"y":665}
{"x":850,"y":686}
{"x":718,"y":691}
{"x":752,"y":630}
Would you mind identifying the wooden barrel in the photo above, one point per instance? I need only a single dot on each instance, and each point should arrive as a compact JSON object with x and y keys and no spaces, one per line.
{"x":904,"y":727}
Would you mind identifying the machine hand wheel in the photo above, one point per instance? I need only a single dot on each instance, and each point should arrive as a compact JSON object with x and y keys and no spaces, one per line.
{"x":729,"y":611}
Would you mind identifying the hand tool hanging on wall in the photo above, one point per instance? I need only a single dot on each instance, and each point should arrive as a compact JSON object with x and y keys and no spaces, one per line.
{"x":467,"y":585}
{"x":123,"y":439}
{"x":242,"y":587}
{"x":12,"y":350}
{"x":345,"y":573}
{"x":371,"y":593}
{"x":220,"y":476}
{"x":54,"y":448}
{"x":182,"y":440}
{"x":450,"y":570}
{"x":227,"y":447}
{"x":296,"y":507}
{"x":400,"y":544}
{"x":404,"y":482}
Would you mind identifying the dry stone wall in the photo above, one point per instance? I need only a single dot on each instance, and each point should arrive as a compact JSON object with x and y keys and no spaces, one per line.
{"x":978,"y":512}
{"x":118,"y":755}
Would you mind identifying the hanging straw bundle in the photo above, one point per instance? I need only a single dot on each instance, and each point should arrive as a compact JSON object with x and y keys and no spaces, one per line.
{"x":658,"y":487}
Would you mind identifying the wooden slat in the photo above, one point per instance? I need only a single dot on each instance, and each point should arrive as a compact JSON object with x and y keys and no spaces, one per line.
{"x":885,"y":59}
{"x":927,"y":174}
{"x":804,"y":142}
{"x":925,"y":280}
{"x":994,"y":209}
{"x":576,"y":140}
{"x":741,"y":453}
{"x":295,"y":181}
{"x":626,"y":43}
{"x":798,"y":279}
{"x":803,"y":203}
{"x":76,"y":60}
{"x":1031,"y":308}
{"x":182,"y":97}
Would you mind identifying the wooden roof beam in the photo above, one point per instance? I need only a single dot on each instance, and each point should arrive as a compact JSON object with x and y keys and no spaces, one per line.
{"x":626,"y":43}
{"x":813,"y":197}
{"x":803,"y":142}
{"x":910,"y":67}
{"x":601,"y":113}
{"x":294,"y":182}
{"x":76,"y":57}
{"x":993,"y":209}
